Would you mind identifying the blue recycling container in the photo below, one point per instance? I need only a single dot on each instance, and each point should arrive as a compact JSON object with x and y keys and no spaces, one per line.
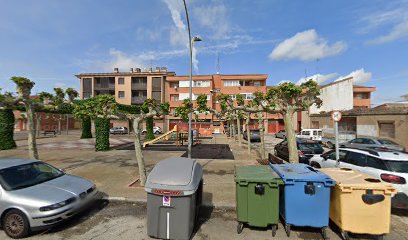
{"x":305,"y":196}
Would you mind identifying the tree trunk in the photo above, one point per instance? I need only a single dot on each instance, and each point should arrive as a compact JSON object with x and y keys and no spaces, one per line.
{"x":261,"y":133}
{"x":229,"y":128}
{"x":59,"y":125}
{"x":248,"y":133}
{"x":290,"y":135}
{"x":138,"y":152}
{"x":31,"y":129}
{"x":149,"y":128}
{"x":239,"y":130}
{"x":38,"y":123}
{"x":86,"y":127}
{"x":233,"y":129}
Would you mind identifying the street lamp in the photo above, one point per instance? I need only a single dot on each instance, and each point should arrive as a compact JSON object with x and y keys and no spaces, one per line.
{"x":190,"y":115}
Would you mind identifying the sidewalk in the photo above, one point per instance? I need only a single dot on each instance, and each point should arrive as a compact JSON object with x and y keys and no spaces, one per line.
{"x":115,"y":170}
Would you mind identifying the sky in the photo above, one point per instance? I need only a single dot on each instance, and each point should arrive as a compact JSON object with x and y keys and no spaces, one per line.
{"x":50,"y":41}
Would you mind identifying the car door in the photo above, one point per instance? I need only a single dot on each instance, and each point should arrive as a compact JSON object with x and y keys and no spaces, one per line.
{"x":374,"y":167}
{"x":354,"y":160}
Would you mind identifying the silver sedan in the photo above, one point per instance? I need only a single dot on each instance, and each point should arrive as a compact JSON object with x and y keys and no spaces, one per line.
{"x":35,"y":195}
{"x":372,"y":142}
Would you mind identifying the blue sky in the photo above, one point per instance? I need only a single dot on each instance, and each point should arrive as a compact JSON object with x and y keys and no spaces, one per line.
{"x":49,"y":41}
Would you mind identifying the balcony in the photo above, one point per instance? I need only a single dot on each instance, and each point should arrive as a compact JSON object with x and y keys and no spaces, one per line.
{"x":138,"y":100}
{"x":109,"y":86}
{"x":139,"y":86}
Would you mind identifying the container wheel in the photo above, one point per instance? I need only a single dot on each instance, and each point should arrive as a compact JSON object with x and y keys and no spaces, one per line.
{"x":274,"y":228}
{"x":240,"y":227}
{"x":287,"y":229}
{"x":324,"y":233}
{"x":345,"y":235}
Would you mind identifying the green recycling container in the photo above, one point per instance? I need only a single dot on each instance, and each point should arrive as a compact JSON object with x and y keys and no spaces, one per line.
{"x":257,"y":196}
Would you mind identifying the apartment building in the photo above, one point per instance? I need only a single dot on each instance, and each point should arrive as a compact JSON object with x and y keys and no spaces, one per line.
{"x":130,"y":88}
{"x":362,"y":96}
{"x":213,"y":85}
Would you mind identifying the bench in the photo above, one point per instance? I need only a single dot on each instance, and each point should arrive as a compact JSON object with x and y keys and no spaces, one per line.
{"x":52,"y":132}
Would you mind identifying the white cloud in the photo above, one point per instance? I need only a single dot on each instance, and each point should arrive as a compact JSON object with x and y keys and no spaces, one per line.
{"x":397,"y":32}
{"x":213,"y":17}
{"x":319,"y":78}
{"x":118,"y":59}
{"x":60,"y":85}
{"x":306,"y":46}
{"x":360,"y":76}
{"x":179,"y":33}
{"x":393,"y":17}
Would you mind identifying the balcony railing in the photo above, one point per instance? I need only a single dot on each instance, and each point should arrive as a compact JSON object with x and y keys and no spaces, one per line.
{"x":138,"y":100}
{"x":139,"y":86}
{"x":104,"y":86}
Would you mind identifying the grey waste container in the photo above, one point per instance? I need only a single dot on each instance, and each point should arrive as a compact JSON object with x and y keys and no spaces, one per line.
{"x":174,"y":193}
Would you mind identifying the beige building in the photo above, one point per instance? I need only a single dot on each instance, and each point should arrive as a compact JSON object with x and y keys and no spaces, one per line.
{"x":132,"y":87}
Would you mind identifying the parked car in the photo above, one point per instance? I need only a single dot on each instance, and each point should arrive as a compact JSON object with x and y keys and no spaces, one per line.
{"x":312,"y":134}
{"x":35,"y":195}
{"x":387,"y":165}
{"x":156,"y":130}
{"x":306,"y":150}
{"x":371,"y":142}
{"x":254,"y":134}
{"x":281,"y":134}
{"x":118,"y":130}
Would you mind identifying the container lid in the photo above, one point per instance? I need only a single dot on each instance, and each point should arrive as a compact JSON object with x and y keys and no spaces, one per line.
{"x":259,"y":174}
{"x":176,"y":173}
{"x":297,"y":172}
{"x":349,"y":179}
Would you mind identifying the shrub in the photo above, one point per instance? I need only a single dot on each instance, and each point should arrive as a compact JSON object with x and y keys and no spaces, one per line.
{"x":86,"y":127}
{"x":102,"y":134}
{"x":7,"y":129}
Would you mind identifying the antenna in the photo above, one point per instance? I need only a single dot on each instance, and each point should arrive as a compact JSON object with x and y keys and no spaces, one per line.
{"x":218,"y":63}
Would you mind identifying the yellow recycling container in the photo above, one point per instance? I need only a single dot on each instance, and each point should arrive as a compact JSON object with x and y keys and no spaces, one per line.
{"x":359,"y":203}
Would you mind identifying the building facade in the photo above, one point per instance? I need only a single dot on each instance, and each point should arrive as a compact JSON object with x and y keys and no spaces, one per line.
{"x":211,"y":86}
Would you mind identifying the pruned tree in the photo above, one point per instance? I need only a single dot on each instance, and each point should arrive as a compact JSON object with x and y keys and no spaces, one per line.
{"x":288,"y":98}
{"x":72,"y":94}
{"x":24,"y":86}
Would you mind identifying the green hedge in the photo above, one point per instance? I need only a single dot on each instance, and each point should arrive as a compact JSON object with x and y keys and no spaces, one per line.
{"x":102,"y":126}
{"x":86,"y":128}
{"x":7,"y":129}
{"x":149,"y":128}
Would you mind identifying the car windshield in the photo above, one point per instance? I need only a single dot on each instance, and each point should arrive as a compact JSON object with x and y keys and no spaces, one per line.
{"x":398,"y":166}
{"x":387,"y":142}
{"x":27,"y":175}
{"x":309,"y":146}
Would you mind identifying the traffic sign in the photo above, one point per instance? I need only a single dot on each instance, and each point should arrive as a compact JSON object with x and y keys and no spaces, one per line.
{"x":336,"y":116}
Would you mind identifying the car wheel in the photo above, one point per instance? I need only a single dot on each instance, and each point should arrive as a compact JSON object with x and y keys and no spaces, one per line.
{"x":15,"y":224}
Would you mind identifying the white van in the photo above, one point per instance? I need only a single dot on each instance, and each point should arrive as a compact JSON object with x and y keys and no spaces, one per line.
{"x":312,"y":134}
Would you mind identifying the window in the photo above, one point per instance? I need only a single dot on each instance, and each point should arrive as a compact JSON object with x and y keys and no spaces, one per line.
{"x":398,"y":166}
{"x":98,"y":81}
{"x":332,"y":155}
{"x":233,"y":96}
{"x":233,"y":83}
{"x":121,"y":81}
{"x":368,"y":141}
{"x":121,"y":94}
{"x":361,"y":95}
{"x":355,"y":158}
{"x":257,"y":83}
{"x":201,"y":84}
{"x":307,"y":133}
{"x":247,"y":96}
{"x":387,"y":130}
{"x":174,"y":84}
{"x":111,"y":80}
{"x":376,"y":163}
{"x":174,"y":97}
{"x":358,"y":141}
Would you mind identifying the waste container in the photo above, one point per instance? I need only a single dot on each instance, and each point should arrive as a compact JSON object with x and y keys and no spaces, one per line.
{"x":174,"y":194}
{"x":305,"y":196}
{"x":360,"y":203}
{"x":257,"y":196}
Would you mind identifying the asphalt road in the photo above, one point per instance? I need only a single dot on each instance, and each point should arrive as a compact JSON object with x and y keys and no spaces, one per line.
{"x":128,"y":221}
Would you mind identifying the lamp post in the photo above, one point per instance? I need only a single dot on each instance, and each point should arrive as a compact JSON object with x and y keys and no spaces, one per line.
{"x":190,"y":115}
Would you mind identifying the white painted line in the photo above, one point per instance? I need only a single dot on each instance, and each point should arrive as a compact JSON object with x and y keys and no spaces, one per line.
{"x":168,"y":227}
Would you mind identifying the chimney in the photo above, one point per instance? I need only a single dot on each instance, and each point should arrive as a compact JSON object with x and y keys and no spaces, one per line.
{"x":150,"y":69}
{"x":131,"y":70}
{"x":164,"y":69}
{"x":138,"y":70}
{"x":116,"y":70}
{"x":157,"y":69}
